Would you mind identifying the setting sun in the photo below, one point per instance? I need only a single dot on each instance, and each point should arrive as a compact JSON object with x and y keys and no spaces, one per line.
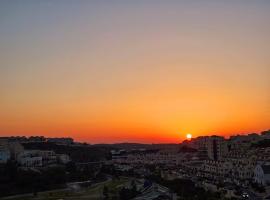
{"x":189,"y":136}
{"x":146,"y":71}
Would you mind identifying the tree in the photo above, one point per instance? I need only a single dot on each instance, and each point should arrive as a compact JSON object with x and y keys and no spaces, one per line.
{"x":133,"y":187}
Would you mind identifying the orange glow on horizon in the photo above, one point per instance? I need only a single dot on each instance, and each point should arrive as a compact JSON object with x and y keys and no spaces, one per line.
{"x":134,"y":72}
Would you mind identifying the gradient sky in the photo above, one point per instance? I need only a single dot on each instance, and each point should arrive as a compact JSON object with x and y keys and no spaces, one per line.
{"x":136,"y":71}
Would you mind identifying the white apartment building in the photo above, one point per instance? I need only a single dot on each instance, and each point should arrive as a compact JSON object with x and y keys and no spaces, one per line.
{"x":262,"y":174}
{"x":30,"y":158}
{"x":48,"y":157}
{"x":36,"y":158}
{"x":233,"y":171}
{"x":217,"y":168}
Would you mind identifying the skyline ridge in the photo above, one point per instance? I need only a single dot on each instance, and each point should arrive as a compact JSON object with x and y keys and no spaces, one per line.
{"x":134,"y":142}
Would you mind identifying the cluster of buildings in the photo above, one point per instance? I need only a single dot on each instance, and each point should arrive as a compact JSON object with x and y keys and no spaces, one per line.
{"x":213,"y":159}
{"x":209,"y":161}
{"x":12,"y":149}
{"x":41,"y":139}
{"x":235,"y":159}
{"x":143,"y":156}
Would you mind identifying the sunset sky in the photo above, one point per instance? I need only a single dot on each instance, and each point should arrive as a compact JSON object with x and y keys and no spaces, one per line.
{"x":134,"y":71}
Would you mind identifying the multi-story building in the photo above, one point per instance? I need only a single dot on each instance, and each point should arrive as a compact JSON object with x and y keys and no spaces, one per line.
{"x":243,"y":142}
{"x":31,"y":158}
{"x":36,"y":158}
{"x":262,"y":174}
{"x":11,"y":147}
{"x":263,"y":154}
{"x":216,"y":147}
{"x":48,"y":157}
{"x":200,"y":142}
{"x":217,"y":168}
{"x":226,"y":170}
